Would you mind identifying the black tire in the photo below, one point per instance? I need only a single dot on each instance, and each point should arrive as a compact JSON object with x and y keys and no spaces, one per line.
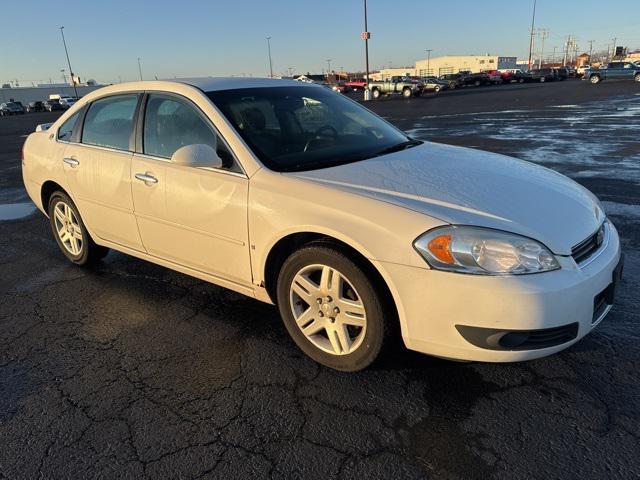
{"x":594,"y":79}
{"x":375,"y":93}
{"x":437,"y":88}
{"x":637,"y":77}
{"x":377,"y":329}
{"x":90,"y":252}
{"x":407,"y":93}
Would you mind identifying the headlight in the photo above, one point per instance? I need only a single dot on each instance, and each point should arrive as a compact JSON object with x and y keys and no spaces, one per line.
{"x":483,"y":251}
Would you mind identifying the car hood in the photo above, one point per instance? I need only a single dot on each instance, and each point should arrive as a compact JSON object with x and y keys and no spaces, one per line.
{"x":470,"y":187}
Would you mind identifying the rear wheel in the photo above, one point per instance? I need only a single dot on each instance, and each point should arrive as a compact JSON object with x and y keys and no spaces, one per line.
{"x":407,"y":93}
{"x":70,"y":233}
{"x":331,"y":309}
{"x":595,"y":79}
{"x":375,"y":93}
{"x":637,"y":77}
{"x":437,"y":88}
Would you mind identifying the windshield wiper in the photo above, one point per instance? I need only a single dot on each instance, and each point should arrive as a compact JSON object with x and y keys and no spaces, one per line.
{"x":399,"y":146}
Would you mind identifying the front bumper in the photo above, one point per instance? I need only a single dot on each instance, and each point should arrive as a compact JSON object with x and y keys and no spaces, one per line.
{"x":433,"y":305}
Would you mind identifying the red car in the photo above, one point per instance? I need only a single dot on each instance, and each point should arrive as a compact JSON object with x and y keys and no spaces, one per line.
{"x":359,"y":84}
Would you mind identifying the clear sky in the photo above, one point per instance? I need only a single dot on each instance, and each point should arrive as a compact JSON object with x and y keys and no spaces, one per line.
{"x":225,"y":37}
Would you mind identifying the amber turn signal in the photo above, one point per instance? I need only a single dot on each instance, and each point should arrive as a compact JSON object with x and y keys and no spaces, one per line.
{"x":440,"y":247}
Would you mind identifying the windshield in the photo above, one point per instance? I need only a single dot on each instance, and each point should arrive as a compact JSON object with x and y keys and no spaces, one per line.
{"x":306,"y":127}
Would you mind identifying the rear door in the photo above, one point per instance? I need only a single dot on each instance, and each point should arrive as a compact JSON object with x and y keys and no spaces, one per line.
{"x":98,"y":168}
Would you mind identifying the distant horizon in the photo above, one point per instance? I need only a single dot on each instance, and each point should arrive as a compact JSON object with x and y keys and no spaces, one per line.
{"x":222,"y":39}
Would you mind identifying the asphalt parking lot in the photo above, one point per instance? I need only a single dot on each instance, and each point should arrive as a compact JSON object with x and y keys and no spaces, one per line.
{"x":131,"y":370}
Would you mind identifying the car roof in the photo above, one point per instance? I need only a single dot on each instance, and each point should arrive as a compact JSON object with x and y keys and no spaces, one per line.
{"x":211,"y":84}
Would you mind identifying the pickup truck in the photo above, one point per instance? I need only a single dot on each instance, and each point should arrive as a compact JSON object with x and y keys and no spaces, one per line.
{"x":404,"y":86}
{"x":613,"y":71}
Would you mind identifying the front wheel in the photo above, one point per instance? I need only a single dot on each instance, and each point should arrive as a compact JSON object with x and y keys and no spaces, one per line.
{"x":437,"y":88}
{"x":331,"y":309}
{"x":375,"y":93}
{"x":637,"y":77}
{"x":70,"y":232}
{"x":407,"y":93}
{"x":594,"y":79}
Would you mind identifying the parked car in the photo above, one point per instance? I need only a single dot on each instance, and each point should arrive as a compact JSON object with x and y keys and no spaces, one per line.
{"x":356,"y":85}
{"x":396,"y":85}
{"x":542,"y":75}
{"x":581,"y":70}
{"x":35,"y":107}
{"x":495,"y":77}
{"x":614,"y":71}
{"x":374,"y":230}
{"x":11,"y":108}
{"x":515,"y":76}
{"x":561,"y":73}
{"x":52,"y":105}
{"x":454,"y":80}
{"x":433,"y":84}
{"x":66,"y":102}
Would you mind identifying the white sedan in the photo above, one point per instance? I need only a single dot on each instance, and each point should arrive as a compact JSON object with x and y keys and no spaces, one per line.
{"x":296,"y":196}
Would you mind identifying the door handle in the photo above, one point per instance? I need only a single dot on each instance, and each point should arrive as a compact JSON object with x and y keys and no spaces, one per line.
{"x":71,"y":161}
{"x":146,"y":178}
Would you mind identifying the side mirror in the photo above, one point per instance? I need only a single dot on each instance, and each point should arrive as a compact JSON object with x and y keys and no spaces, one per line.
{"x":197,"y":156}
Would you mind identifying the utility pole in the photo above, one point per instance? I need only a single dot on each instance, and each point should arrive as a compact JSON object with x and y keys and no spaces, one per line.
{"x":553,"y":59}
{"x":613,"y":51}
{"x":270,"y":62}
{"x":139,"y":68}
{"x":64,"y":77}
{"x":73,"y":81}
{"x":366,"y":36}
{"x":544,"y":33}
{"x":429,"y":50}
{"x":328,"y":68}
{"x":566,"y":51}
{"x":533,"y":23}
{"x":590,"y":50}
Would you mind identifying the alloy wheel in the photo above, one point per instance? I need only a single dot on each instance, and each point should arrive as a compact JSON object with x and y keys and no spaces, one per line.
{"x":68,"y":228}
{"x":327,"y":309}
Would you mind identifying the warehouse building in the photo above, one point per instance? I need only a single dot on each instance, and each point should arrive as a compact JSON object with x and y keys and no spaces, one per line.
{"x":463,"y":63}
{"x":450,"y":64}
{"x":41,"y":93}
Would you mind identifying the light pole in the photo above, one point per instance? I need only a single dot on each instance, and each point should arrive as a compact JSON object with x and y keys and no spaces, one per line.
{"x":270,"y":62}
{"x":366,"y":36}
{"x":429,"y":50}
{"x":64,"y":77}
{"x":613,"y":51}
{"x":139,"y":68}
{"x":543,"y":34}
{"x":73,"y":81}
{"x":290,"y":71}
{"x":328,"y":68}
{"x":533,"y":23}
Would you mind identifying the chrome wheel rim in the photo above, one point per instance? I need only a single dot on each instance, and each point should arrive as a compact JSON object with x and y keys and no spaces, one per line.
{"x":68,"y":228}
{"x":327,"y":309}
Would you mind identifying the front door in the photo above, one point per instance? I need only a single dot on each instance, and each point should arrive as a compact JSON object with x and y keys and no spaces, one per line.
{"x":98,"y":170}
{"x":196,"y":217}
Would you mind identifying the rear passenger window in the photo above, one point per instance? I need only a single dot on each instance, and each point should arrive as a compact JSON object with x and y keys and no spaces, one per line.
{"x":170,"y":124}
{"x":109,"y":122}
{"x":65,"y":132}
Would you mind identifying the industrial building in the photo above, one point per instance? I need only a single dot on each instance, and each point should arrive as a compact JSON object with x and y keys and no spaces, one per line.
{"x":450,"y":64}
{"x":41,"y":93}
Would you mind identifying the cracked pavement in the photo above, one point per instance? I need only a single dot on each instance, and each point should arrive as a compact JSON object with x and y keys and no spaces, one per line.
{"x":130,"y":370}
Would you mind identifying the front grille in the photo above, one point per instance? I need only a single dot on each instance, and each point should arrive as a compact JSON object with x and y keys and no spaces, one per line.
{"x":588,"y":247}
